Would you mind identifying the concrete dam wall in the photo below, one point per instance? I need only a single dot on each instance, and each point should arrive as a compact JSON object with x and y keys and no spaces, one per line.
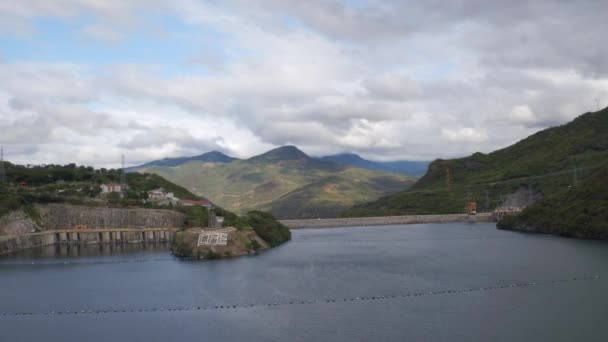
{"x":10,"y":244}
{"x":14,"y":243}
{"x":385,"y":220}
{"x":61,"y":223}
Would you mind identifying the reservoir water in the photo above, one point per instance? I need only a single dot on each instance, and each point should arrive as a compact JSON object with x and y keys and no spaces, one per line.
{"x":431,"y":282}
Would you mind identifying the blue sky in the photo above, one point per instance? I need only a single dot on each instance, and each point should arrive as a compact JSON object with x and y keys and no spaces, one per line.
{"x":165,"y":42}
{"x":88,"y":80}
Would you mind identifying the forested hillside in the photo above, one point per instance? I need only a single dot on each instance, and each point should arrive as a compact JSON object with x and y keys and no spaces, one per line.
{"x":76,"y":184}
{"x":544,"y":164}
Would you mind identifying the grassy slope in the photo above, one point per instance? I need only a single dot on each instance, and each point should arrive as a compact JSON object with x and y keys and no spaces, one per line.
{"x":273,"y":184}
{"x":331,"y":195}
{"x":544,"y":162}
{"x":581,"y":212}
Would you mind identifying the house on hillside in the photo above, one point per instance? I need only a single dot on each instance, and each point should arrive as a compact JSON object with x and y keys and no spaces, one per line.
{"x":161,"y":196}
{"x":189,"y":203}
{"x":113,"y":187}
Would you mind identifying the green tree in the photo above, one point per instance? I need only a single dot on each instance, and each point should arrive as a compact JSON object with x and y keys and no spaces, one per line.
{"x":268,"y":228}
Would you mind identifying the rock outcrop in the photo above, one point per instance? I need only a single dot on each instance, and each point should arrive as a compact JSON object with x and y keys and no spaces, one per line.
{"x":17,"y":222}
{"x":237,"y":242}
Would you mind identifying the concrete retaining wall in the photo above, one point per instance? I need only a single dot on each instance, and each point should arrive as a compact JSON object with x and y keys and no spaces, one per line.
{"x":10,"y":244}
{"x":385,"y":220}
{"x":14,"y":243}
{"x":62,"y":223}
{"x":61,"y":216}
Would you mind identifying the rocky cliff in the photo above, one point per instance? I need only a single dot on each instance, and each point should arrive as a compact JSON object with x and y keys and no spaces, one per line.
{"x":60,"y":216}
{"x":17,"y":222}
{"x":63,"y":216}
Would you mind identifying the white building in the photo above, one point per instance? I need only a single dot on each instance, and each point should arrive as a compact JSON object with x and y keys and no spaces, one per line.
{"x":159,"y":194}
{"x":162,"y":197}
{"x":113,"y":187}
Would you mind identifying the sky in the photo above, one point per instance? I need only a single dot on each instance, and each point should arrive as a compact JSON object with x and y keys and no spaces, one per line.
{"x":86,"y":81}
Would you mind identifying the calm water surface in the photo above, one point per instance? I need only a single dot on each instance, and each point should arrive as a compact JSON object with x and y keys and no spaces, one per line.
{"x":444,"y":282}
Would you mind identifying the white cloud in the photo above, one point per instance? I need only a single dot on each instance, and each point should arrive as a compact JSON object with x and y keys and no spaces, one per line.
{"x":464,"y":134}
{"x":390,"y":80}
{"x":522,"y":114}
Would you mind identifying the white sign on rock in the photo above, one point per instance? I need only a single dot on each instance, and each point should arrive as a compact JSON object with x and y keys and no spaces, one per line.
{"x":212,"y":239}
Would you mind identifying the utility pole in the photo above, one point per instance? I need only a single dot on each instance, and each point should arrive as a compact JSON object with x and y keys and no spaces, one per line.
{"x":2,"y":170}
{"x":467,"y":202}
{"x":597,"y":104}
{"x":123,"y":176}
{"x":575,"y":173}
{"x":487,"y":207}
{"x":529,"y":193}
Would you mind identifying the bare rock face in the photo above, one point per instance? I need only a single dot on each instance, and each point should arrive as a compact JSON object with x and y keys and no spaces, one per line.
{"x":521,"y":198}
{"x":61,"y":216}
{"x":17,"y":222}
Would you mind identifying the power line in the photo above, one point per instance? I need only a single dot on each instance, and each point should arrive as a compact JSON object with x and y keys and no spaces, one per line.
{"x":523,"y":179}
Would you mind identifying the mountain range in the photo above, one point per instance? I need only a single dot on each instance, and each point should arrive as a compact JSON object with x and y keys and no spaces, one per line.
{"x":414,"y":168}
{"x":546,"y":164}
{"x":284,"y":181}
{"x":411,"y":168}
{"x":209,"y":157}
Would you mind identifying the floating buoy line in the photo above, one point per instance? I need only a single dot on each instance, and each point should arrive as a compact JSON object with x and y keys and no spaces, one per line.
{"x":403,"y":240}
{"x":420,"y":293}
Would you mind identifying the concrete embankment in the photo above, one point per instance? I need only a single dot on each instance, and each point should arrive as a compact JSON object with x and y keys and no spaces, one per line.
{"x":9,"y":244}
{"x":62,"y":223}
{"x":385,"y":220}
{"x":14,"y":243}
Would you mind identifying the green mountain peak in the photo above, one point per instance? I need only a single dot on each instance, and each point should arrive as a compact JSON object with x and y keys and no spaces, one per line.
{"x":283,"y":153}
